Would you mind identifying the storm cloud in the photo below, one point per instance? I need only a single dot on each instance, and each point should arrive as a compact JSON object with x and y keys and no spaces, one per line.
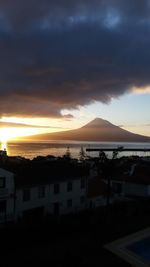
{"x":64,"y":54}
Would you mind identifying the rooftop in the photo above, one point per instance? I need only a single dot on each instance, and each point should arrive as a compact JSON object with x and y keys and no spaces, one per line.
{"x":138,"y":174}
{"x":50,"y":172}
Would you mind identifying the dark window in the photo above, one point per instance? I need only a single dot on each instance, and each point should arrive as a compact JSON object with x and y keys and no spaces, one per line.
{"x":82,"y":183}
{"x":56,"y":209}
{"x":69,"y":203}
{"x":82,"y":199}
{"x":3,"y":206}
{"x":117,"y":188}
{"x":69,"y":186}
{"x":56,"y":188}
{"x":2,"y":182}
{"x":41,"y":191}
{"x":26,"y":194}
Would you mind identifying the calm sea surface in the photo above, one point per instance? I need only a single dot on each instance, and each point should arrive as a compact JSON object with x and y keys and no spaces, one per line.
{"x":58,"y":148}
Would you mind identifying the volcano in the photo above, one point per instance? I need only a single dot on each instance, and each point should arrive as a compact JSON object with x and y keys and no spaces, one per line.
{"x":96,"y":130}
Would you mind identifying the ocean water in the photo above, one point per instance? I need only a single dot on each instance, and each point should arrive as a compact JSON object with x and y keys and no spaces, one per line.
{"x":58,"y":148}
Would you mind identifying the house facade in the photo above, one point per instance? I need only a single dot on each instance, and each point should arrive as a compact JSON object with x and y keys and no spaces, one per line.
{"x":53,"y":198}
{"x":135,"y":183}
{"x":7,"y":196}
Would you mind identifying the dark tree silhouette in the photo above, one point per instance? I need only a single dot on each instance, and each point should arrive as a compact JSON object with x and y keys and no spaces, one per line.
{"x":82,"y":155}
{"x":68,"y":153}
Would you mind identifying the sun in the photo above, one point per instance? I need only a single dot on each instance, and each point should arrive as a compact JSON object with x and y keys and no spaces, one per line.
{"x":3,"y":146}
{"x":4,"y":135}
{"x":12,"y":133}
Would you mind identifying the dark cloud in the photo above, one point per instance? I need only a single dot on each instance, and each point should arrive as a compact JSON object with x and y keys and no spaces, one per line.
{"x":68,"y":117}
{"x":63,"y":54}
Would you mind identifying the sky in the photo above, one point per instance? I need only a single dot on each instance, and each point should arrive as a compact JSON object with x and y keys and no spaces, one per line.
{"x":64,"y":63}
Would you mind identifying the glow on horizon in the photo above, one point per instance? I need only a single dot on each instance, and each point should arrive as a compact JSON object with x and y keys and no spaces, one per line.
{"x":12,"y":133}
{"x":9,"y":133}
{"x":141,"y":90}
{"x":130,"y":111}
{"x":45,"y":126}
{"x":53,"y":125}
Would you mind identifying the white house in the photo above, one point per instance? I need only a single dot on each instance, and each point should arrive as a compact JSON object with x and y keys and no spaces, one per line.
{"x":135,"y":183}
{"x":46,"y":196}
{"x":7,"y":190}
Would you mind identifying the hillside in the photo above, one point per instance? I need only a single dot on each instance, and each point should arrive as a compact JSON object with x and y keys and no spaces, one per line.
{"x":96,"y":130}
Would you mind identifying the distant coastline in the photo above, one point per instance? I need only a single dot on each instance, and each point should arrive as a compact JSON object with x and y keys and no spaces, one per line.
{"x":29,"y":149}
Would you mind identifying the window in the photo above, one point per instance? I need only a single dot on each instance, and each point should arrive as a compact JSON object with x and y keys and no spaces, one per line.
{"x":82,"y":183}
{"x":2,"y":182}
{"x":82,"y":199}
{"x":2,"y":206}
{"x":69,"y":203}
{"x":56,"y":209}
{"x":69,"y":186}
{"x":41,"y":191}
{"x":26,"y":194}
{"x":117,"y":188}
{"x":56,"y":188}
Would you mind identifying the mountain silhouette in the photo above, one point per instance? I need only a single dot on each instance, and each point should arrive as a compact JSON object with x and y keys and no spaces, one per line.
{"x":96,"y":130}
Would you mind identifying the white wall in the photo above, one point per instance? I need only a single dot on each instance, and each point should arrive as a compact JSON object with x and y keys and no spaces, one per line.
{"x":96,"y":201}
{"x":50,"y":198}
{"x":136,"y":189}
{"x":7,"y":194}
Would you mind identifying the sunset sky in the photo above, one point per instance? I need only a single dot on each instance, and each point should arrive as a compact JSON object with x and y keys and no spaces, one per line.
{"x":64,"y":63}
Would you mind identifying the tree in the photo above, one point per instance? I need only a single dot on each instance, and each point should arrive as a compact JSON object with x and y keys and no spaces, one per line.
{"x":115,"y":154}
{"x":67,"y":154}
{"x":82,"y":155}
{"x":102,"y":157}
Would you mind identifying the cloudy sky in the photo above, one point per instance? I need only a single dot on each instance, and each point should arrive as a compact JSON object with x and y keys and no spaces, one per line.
{"x":63,"y":63}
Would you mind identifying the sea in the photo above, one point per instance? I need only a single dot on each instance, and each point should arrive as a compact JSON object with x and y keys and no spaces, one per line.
{"x":57,"y":148}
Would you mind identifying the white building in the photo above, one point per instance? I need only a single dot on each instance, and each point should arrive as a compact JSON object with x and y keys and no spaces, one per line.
{"x":136,"y":183}
{"x":57,"y":197}
{"x":7,"y":190}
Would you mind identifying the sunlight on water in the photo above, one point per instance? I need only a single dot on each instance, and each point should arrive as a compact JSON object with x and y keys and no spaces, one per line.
{"x":34,"y":149}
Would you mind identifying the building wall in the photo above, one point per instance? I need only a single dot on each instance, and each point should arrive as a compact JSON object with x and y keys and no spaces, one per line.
{"x":136,"y":190}
{"x":50,"y":198}
{"x":132,"y":189}
{"x":7,"y":196}
{"x":96,"y":201}
{"x":148,"y":190}
{"x":118,"y":188}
